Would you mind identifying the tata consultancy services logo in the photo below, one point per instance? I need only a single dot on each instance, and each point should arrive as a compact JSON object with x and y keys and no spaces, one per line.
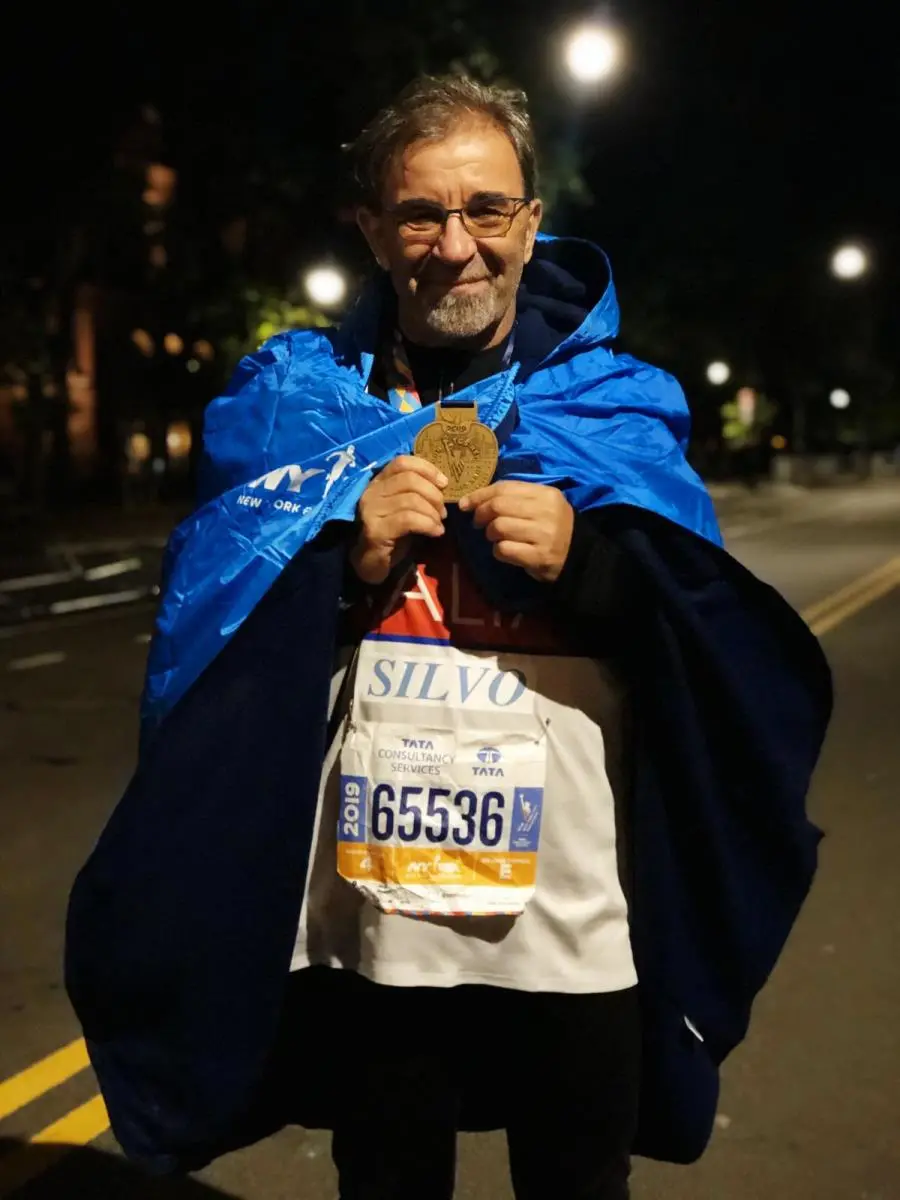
{"x":489,"y":757}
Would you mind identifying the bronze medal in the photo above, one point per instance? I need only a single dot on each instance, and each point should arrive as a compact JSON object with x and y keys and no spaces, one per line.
{"x":458,"y":444}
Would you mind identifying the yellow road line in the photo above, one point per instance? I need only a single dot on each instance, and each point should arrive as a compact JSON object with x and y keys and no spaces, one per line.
{"x":39,"y":1078}
{"x":77,"y":1128}
{"x":846,"y":605}
{"x":888,"y":570}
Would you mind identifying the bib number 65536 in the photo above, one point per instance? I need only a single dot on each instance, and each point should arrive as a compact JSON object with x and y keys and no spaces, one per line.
{"x":440,"y":815}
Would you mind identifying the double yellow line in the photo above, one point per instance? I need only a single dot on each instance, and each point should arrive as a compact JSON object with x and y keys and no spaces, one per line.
{"x":76,"y":1128}
{"x":87,"y":1122}
{"x":846,"y":603}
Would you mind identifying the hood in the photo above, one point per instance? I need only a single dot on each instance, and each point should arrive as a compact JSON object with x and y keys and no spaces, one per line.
{"x":567,"y":300}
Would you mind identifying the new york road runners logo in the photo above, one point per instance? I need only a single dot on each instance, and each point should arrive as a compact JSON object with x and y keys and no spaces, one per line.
{"x":296,"y":476}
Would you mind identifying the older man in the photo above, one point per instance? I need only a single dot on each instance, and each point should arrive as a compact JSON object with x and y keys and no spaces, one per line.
{"x":430,"y":727}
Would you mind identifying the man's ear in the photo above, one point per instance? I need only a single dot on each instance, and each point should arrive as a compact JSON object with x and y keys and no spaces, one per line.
{"x":534,"y":224}
{"x":370,"y":224}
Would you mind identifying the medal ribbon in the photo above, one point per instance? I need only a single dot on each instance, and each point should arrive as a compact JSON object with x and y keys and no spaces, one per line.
{"x":402,"y":392}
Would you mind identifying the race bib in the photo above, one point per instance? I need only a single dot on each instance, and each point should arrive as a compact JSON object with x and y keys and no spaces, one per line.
{"x":442,"y":781}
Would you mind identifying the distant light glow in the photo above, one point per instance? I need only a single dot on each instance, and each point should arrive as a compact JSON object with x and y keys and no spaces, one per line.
{"x":779,"y":442}
{"x":178,"y":439}
{"x":849,"y":261}
{"x":173,"y":343}
{"x":193,"y":365}
{"x":718,"y":373}
{"x":325,"y":286}
{"x":839,"y":398}
{"x":143,"y":341}
{"x":138,"y":447}
{"x":592,"y":53}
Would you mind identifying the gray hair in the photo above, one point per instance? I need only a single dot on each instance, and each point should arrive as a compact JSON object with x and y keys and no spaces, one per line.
{"x":425,"y":111}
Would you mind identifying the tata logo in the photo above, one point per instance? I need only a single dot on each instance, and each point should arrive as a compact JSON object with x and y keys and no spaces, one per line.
{"x":489,"y":757}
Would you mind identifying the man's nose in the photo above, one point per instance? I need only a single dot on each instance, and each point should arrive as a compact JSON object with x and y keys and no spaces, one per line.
{"x":456,"y":244}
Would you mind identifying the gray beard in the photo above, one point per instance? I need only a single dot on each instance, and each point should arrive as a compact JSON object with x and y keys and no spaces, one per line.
{"x":461,"y":317}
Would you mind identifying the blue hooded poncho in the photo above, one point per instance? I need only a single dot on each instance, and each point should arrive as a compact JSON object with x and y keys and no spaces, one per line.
{"x":182,"y":922}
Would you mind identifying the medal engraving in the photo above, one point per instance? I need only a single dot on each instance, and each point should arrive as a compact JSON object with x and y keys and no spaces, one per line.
{"x":458,"y":444}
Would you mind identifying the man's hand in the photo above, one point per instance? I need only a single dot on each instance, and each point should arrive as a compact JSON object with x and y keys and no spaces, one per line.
{"x":403,"y":499}
{"x":530,"y":525}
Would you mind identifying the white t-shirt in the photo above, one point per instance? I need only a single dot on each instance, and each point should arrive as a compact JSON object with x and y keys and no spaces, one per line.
{"x":573,"y":934}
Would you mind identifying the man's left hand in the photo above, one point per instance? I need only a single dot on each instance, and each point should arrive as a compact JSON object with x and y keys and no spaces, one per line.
{"x":530,"y":525}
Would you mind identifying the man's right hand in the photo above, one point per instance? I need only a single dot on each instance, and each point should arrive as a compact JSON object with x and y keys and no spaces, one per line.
{"x":403,"y":499}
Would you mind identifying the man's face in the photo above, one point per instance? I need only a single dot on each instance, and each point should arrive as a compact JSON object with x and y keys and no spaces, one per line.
{"x":458,"y":287}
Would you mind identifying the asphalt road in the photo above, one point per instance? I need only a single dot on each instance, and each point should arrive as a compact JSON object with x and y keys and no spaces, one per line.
{"x":811,"y":1103}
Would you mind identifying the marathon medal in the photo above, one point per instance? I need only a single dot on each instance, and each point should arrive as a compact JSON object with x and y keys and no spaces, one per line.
{"x":458,"y":444}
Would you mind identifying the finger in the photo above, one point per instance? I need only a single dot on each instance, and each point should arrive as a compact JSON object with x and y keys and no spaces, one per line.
{"x":387,"y":507}
{"x":409,"y":521}
{"x":506,"y":504}
{"x":504,"y":487}
{"x":519,"y":554}
{"x":419,"y":466}
{"x":515,"y":529}
{"x":409,"y":483}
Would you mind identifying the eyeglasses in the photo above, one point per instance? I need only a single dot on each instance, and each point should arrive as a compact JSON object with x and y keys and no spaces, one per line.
{"x":482,"y":217}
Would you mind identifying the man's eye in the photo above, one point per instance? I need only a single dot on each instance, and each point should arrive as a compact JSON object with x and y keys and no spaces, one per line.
{"x":421,"y":216}
{"x":485,"y":210}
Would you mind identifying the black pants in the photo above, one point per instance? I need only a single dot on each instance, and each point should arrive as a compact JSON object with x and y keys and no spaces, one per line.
{"x":559,"y":1072}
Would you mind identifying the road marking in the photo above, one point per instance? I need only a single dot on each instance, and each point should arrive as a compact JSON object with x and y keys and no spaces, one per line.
{"x":108,"y":570}
{"x":42,"y":1076}
{"x":77,"y":1128}
{"x":84,"y":603}
{"x":25,"y":582}
{"x":827,"y":614}
{"x":79,"y":620}
{"x":50,"y":659}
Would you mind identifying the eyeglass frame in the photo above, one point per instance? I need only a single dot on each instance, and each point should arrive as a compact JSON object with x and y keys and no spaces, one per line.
{"x":518,"y":201}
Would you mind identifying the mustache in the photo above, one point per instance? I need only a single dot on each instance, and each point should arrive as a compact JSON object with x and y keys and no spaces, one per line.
{"x":452,"y":280}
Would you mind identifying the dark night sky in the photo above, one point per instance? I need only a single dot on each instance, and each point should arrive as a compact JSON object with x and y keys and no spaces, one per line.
{"x":742,"y":132}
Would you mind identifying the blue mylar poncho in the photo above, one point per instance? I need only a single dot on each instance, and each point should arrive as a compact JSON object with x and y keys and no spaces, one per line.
{"x":182,"y":922}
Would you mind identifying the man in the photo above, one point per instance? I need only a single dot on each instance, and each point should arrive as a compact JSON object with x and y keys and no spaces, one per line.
{"x":458,"y":714}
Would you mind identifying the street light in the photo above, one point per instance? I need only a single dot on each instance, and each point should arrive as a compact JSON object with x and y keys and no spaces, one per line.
{"x":849,"y":261}
{"x":325,"y":286}
{"x":718,"y":373}
{"x":592,"y":53}
{"x":839,"y":398}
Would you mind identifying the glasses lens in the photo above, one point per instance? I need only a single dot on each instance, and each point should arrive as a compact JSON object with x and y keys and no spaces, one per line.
{"x":488,"y":218}
{"x":420,"y":220}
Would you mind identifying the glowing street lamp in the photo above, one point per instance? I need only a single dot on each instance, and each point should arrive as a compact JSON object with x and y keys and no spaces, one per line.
{"x":718,"y":373}
{"x":325,"y":286}
{"x":592,"y":54}
{"x":839,"y":398}
{"x":849,"y":261}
